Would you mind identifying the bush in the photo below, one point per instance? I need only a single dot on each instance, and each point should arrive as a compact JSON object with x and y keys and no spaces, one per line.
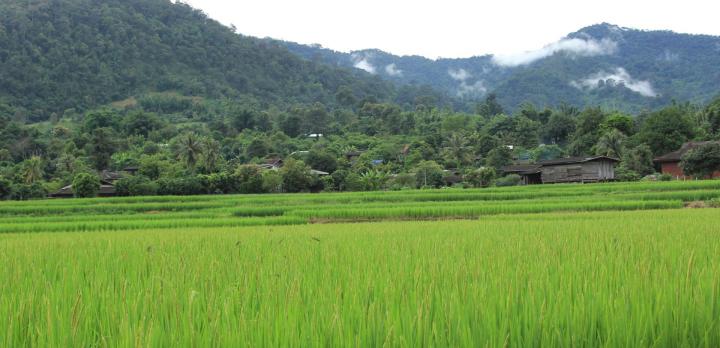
{"x":665,"y":177}
{"x":23,"y":192}
{"x":482,"y":177}
{"x":86,"y":185}
{"x":138,"y":185}
{"x":272,"y":182}
{"x":180,"y":186}
{"x":250,"y":179}
{"x":622,"y":173}
{"x":5,"y":189}
{"x":510,"y":180}
{"x":429,"y":174}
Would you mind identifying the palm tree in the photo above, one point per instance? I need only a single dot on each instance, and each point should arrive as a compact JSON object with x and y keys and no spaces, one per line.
{"x":32,"y":169}
{"x":456,"y":147}
{"x":211,"y":155}
{"x":190,"y":149}
{"x":611,"y":144}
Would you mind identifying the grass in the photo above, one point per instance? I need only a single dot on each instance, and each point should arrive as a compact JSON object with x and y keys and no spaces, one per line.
{"x":604,"y":265}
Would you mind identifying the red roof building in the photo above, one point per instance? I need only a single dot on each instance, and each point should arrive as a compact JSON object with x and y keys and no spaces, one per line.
{"x":670,"y":163}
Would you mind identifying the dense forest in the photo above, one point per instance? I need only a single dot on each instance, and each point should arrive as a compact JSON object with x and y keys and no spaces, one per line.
{"x":194,"y":108}
{"x":65,"y":56}
{"x":617,"y":68}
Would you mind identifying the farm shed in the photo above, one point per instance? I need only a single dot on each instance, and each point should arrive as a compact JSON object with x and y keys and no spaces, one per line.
{"x":578,"y":169}
{"x":670,"y":163}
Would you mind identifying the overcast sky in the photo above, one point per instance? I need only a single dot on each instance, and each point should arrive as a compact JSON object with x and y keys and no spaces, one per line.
{"x":451,"y":28}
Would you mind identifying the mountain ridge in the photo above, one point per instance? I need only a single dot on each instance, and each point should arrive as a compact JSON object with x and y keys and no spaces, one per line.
{"x":639,"y":69}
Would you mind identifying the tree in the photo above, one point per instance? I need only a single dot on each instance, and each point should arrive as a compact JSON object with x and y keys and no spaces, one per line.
{"x":141,"y":123}
{"x":210,"y":154}
{"x":5,"y":188}
{"x":32,"y":170}
{"x":86,"y":185}
{"x":639,"y":159}
{"x":136,"y":185}
{"x":481,"y":177}
{"x":711,"y":115}
{"x":429,"y":174}
{"x":457,"y":149}
{"x":490,"y":107}
{"x":102,"y":147}
{"x":588,"y":131}
{"x":321,"y":160}
{"x":374,"y":180}
{"x":611,"y":144}
{"x":258,"y":148}
{"x":296,"y":176}
{"x":499,"y":157}
{"x":250,"y":179}
{"x":702,"y":161}
{"x":621,"y":122}
{"x":190,"y":150}
{"x":666,"y":130}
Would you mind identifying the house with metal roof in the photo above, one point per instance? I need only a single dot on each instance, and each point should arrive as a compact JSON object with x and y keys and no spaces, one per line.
{"x":566,"y":170}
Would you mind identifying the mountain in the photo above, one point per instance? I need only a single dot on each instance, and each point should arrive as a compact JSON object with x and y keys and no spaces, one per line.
{"x":78,"y":54}
{"x":603,"y":64}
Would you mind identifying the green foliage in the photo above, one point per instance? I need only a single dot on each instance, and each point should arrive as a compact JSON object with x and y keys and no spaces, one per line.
{"x":137,"y":185}
{"x":508,"y":180}
{"x":85,"y":185}
{"x":499,"y":157}
{"x":296,"y":176}
{"x":429,"y":174}
{"x":666,"y":130}
{"x":702,"y":161}
{"x":482,"y":177}
{"x":250,"y":179}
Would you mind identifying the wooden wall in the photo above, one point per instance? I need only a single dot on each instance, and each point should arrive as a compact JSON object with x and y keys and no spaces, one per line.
{"x":600,"y":170}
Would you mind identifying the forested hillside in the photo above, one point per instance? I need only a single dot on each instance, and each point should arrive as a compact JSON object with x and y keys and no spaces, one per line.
{"x":191,"y":107}
{"x":57,"y":55}
{"x":601,"y":65}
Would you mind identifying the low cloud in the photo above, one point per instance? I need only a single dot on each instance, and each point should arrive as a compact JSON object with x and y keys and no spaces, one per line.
{"x":392,"y":70}
{"x":362,"y":62}
{"x":670,"y":56}
{"x":579,"y":47}
{"x":618,"y":77}
{"x":471,"y":90}
{"x":459,"y":74}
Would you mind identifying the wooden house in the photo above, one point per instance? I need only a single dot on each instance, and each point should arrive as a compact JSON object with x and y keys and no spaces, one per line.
{"x":578,"y":169}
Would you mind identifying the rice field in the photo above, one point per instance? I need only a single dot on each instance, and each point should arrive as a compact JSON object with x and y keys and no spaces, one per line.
{"x":563,"y":265}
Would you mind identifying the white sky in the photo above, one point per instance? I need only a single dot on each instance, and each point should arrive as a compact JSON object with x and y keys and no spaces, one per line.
{"x":451,"y":28}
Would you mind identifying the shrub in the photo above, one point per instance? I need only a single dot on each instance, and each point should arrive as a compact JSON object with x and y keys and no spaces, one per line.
{"x":138,"y":185}
{"x":250,"y":179}
{"x":482,"y":177}
{"x":510,"y":180}
{"x":86,"y":185}
{"x":180,"y":186}
{"x":665,"y":177}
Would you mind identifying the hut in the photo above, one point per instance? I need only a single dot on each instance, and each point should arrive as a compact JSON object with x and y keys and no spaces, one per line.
{"x":578,"y":169}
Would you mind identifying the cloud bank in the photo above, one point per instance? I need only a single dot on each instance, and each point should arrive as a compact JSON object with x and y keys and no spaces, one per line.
{"x":579,"y":47}
{"x":392,"y":70}
{"x":618,"y":77}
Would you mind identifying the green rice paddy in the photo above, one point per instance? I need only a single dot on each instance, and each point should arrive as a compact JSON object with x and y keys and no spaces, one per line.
{"x":564,"y":265}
